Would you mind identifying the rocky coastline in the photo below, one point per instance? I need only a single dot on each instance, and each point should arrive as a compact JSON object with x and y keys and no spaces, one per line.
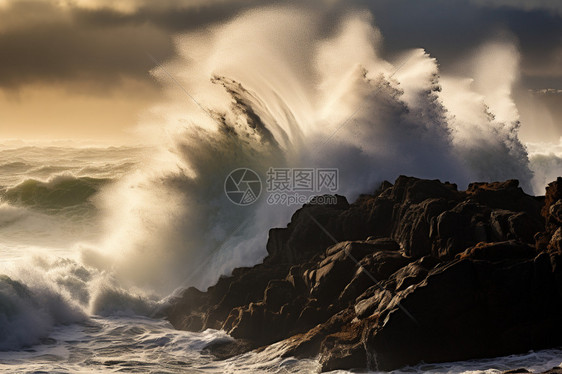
{"x":416,"y":271}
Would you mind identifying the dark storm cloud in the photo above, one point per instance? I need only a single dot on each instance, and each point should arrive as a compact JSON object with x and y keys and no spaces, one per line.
{"x":99,"y":42}
{"x":58,"y":52}
{"x":449,"y":29}
{"x":42,"y":42}
{"x":552,"y":6}
{"x":170,"y":19}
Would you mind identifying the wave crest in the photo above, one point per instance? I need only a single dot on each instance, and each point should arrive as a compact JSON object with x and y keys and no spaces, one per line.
{"x":27,"y":314}
{"x":57,"y":193}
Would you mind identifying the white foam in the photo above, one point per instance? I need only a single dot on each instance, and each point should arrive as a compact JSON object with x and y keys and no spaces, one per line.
{"x":282,"y":97}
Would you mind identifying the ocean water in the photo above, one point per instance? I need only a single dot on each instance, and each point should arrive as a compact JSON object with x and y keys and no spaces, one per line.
{"x":94,"y":239}
{"x":58,"y":315}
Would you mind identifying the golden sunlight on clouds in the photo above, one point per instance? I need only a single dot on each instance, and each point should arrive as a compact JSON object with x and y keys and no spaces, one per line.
{"x":47,"y":112}
{"x":122,"y":6}
{"x":131,"y":6}
{"x":67,"y":67}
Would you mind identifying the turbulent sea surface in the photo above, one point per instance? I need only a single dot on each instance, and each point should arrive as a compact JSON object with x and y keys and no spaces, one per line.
{"x":94,"y":239}
{"x":58,"y":314}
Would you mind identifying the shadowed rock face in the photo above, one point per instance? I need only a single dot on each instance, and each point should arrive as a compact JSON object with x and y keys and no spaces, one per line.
{"x":420,"y":272}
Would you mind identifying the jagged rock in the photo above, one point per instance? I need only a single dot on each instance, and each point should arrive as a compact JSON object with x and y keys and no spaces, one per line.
{"x":470,"y":308}
{"x":556,"y":241}
{"x":224,"y":349}
{"x":421,"y":272}
{"x":278,"y":293}
{"x":310,"y":343}
{"x":182,"y":311}
{"x":343,"y":349}
{"x":550,"y":238}
{"x":553,"y":195}
{"x":303,"y":238}
{"x":556,"y":370}
{"x":504,"y":195}
{"x":384,"y":244}
{"x":371,"y":269}
{"x":501,"y":251}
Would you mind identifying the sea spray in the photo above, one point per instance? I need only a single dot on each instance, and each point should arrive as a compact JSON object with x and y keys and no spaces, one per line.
{"x":272,"y":90}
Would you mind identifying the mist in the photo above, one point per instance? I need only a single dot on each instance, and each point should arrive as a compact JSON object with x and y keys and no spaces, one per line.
{"x":290,"y":96}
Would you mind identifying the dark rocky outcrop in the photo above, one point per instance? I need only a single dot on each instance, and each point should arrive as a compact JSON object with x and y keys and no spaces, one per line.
{"x":418,"y":271}
{"x":556,"y":370}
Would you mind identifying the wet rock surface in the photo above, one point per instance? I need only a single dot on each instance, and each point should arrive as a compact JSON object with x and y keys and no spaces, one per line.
{"x":419,"y":272}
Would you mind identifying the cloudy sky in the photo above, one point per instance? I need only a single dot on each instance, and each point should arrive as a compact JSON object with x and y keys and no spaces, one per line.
{"x":80,"y":69}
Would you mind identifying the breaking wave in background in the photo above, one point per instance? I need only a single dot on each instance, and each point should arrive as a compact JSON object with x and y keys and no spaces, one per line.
{"x":95,"y":239}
